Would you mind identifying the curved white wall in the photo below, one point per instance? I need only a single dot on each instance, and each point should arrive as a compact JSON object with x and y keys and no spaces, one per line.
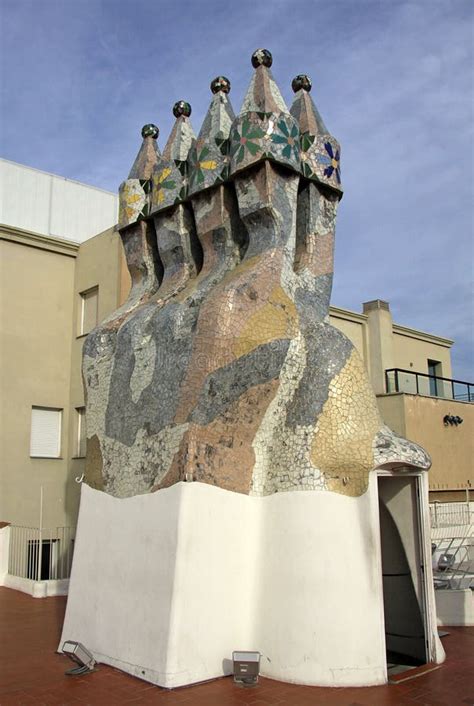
{"x":165,"y":586}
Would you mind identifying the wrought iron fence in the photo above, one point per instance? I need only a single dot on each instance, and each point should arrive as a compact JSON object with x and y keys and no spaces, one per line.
{"x":400,"y":380}
{"x":41,"y":554}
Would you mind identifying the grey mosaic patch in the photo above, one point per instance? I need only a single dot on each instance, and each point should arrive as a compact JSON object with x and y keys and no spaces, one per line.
{"x":312,"y":391}
{"x":226,"y":385}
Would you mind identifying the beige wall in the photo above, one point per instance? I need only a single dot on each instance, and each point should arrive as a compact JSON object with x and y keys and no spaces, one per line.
{"x":392,"y":409}
{"x":354,"y":326}
{"x":36,"y":320}
{"x":99,"y":263}
{"x":412,"y":351}
{"x":451,"y":448}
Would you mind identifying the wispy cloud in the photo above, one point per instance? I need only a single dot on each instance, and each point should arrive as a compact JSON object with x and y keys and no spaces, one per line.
{"x":393,"y":80}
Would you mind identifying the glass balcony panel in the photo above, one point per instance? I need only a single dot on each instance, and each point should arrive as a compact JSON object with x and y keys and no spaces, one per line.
{"x":425,"y":386}
{"x":407,"y":382}
{"x":390,"y":378}
{"x":461,"y":391}
{"x":445,"y":389}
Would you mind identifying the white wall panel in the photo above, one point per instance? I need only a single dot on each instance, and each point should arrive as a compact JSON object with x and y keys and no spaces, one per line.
{"x":79,"y":212}
{"x":51,"y":205}
{"x":25,"y":198}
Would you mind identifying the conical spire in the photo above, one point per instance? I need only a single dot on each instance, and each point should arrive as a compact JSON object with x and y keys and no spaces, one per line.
{"x":303,"y":108}
{"x":320,"y":152}
{"x":148,"y":154}
{"x":209,"y":157}
{"x":264,"y":128}
{"x":134,"y":192}
{"x":263,"y":94}
{"x":169,"y":180}
{"x":182,"y":134}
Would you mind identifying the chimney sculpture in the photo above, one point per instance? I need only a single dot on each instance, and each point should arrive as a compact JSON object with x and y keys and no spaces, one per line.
{"x":222,"y":368}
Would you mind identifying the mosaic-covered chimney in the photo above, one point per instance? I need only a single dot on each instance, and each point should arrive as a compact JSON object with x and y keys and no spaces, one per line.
{"x":222,"y":367}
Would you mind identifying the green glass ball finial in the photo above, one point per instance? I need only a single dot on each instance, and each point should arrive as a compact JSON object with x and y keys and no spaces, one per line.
{"x":150,"y":130}
{"x":181,"y":108}
{"x":262,"y":57}
{"x":302,"y":81}
{"x":220,"y":83}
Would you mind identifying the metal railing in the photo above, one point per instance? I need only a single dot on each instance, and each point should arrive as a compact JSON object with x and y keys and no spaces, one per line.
{"x":400,"y":380}
{"x":452,"y":545}
{"x":450,"y":514}
{"x":453,"y":562}
{"x":41,"y":554}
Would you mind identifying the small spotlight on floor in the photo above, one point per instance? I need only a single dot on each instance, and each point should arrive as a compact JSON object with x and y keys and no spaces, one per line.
{"x":81,"y":656}
{"x":246,"y":667}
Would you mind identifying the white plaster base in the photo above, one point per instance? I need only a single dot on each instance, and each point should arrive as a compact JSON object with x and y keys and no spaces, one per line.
{"x":4,"y":552}
{"x":37,"y":589}
{"x":165,"y":586}
{"x":455,"y":607}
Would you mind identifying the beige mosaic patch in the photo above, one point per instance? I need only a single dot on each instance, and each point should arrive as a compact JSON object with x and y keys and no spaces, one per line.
{"x":276,"y":319}
{"x":342,"y":445}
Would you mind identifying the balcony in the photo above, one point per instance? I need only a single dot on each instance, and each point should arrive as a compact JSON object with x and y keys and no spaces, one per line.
{"x":399,"y":380}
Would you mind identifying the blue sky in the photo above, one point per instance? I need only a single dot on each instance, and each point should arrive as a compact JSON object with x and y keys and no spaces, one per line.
{"x":393,"y":80}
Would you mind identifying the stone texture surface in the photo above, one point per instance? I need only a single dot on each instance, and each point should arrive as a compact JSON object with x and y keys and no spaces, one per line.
{"x":222,"y":367}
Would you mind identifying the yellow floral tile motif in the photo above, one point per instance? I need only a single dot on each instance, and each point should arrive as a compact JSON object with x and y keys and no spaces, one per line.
{"x":133,"y":199}
{"x":342,"y":446}
{"x":160,"y":183}
{"x":164,"y":174}
{"x":209,"y":164}
{"x":275,"y":320}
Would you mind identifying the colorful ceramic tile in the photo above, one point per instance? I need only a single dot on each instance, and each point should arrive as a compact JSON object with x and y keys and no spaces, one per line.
{"x":134,"y":193}
{"x":208,"y":160}
{"x":320,"y":152}
{"x":133,"y":201}
{"x":170,"y":175}
{"x":321,"y":160}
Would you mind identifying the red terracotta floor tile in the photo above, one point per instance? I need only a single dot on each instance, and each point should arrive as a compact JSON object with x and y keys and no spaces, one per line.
{"x":32,"y":673}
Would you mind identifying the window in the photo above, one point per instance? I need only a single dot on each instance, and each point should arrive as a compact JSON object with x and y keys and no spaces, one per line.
{"x":80,"y":446}
{"x":434,"y":369}
{"x":45,"y":441}
{"x":88,"y":315}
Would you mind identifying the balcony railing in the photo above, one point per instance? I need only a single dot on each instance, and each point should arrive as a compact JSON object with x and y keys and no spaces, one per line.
{"x":451,"y":514}
{"x":41,"y":554}
{"x":399,"y":380}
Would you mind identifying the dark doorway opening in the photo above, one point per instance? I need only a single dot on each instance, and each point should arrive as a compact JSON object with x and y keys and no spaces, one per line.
{"x":402,"y":573}
{"x":48,"y":554}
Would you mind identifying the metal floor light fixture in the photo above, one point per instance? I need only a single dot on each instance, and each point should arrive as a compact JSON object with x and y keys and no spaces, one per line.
{"x":246,"y":667}
{"x":81,"y":656}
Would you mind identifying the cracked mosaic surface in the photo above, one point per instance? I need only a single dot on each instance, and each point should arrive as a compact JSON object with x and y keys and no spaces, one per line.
{"x":222,"y":366}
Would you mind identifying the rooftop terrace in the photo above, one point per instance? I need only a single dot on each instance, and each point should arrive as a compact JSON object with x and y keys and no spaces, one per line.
{"x":32,"y":673}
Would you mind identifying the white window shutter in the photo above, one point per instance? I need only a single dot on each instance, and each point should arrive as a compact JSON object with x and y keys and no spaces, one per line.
{"x":89,"y":314}
{"x":45,"y":432}
{"x":81,"y":432}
